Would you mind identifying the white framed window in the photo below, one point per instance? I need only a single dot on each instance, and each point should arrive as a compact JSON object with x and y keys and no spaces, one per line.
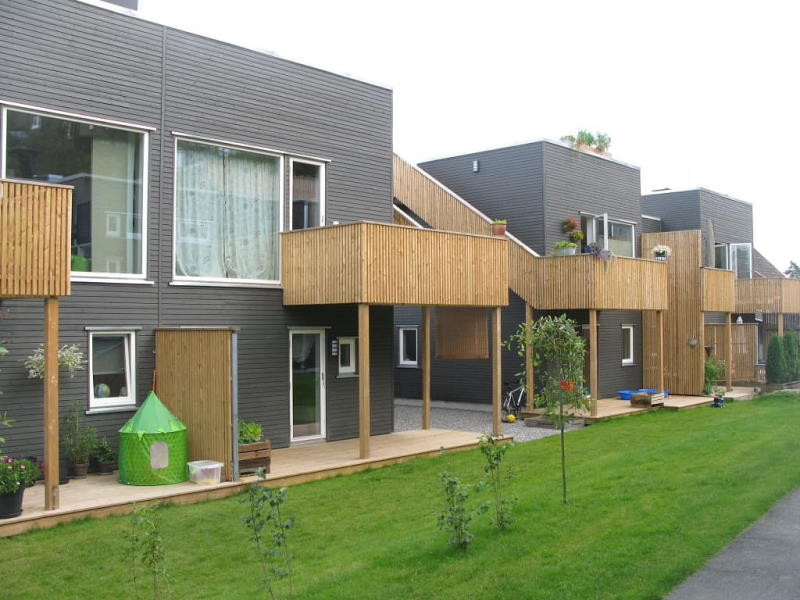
{"x":408,"y":346}
{"x":228,"y":214}
{"x":106,"y":162}
{"x":721,"y":254}
{"x":627,"y":345}
{"x":621,"y":235}
{"x":741,"y":260}
{"x":348,"y":359}
{"x":306,"y":193}
{"x":112,"y":369}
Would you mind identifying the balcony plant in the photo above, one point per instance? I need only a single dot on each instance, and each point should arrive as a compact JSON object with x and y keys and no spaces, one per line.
{"x":499,"y":227}
{"x":576,"y":236}
{"x":564,"y":248}
{"x":79,"y":442}
{"x":254,"y":453}
{"x":15,"y":475}
{"x":569,"y":224}
{"x":661,"y":252}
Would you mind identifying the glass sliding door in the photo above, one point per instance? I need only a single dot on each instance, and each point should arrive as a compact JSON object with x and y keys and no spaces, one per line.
{"x":307,"y":384}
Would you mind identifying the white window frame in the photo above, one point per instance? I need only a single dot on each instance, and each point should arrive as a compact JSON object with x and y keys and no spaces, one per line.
{"x":630,"y":360}
{"x":130,"y":367}
{"x":145,"y":150}
{"x":351,"y":369}
{"x":222,"y":281}
{"x":732,"y":265}
{"x":591,"y":235}
{"x":727,"y":255}
{"x":322,"y":183}
{"x":401,"y":347}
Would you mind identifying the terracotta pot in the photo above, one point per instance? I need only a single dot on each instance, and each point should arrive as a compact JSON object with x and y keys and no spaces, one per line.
{"x":11,"y":504}
{"x":79,"y":470}
{"x":498,"y":229}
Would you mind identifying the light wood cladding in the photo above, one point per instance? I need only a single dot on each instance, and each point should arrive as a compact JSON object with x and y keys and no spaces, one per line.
{"x":377,"y":263}
{"x":194,"y":380}
{"x":461,"y":333}
{"x":35,"y":222}
{"x":774,"y":295}
{"x":584,"y":281}
{"x":719,"y":291}
{"x":745,"y":348}
{"x":683,"y":319}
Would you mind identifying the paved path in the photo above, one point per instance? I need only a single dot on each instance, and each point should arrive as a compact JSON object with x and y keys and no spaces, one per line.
{"x":763,"y":563}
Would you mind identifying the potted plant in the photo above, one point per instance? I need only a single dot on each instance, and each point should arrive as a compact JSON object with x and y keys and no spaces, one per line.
{"x":661,"y":252}
{"x":106,"y":457}
{"x":719,"y":397}
{"x":499,"y":227}
{"x":254,"y":452}
{"x":564,"y":248}
{"x":15,"y":475}
{"x":576,"y":236}
{"x":569,"y":224}
{"x":79,"y":443}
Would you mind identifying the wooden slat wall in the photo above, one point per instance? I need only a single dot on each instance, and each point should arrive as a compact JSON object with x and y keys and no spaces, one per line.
{"x":433,"y":202}
{"x":35,"y":224}
{"x":791,"y":295}
{"x":193,"y":379}
{"x":745,"y":348}
{"x":583,"y":281}
{"x":719,"y":290}
{"x":461,"y":333}
{"x":377,"y":263}
{"x":768,"y":295}
{"x":683,"y":320}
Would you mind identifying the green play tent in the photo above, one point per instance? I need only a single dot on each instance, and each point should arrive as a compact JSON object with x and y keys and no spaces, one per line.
{"x":153,"y":446}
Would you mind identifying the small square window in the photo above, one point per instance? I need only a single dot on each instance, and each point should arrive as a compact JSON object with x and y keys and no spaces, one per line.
{"x":408,"y":347}
{"x":627,"y":344}
{"x":347,"y":356}
{"x":111,"y":369}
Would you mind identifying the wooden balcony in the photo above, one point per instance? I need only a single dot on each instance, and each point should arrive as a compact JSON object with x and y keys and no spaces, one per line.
{"x":719,"y":291}
{"x":377,"y":263}
{"x":35,"y":221}
{"x":768,"y":295}
{"x":586,"y":282}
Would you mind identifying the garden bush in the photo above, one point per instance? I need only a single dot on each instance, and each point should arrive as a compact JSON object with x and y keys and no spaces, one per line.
{"x":776,"y":360}
{"x":791,"y":348}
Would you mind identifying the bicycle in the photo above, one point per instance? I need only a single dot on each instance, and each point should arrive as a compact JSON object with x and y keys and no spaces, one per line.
{"x":513,"y":402}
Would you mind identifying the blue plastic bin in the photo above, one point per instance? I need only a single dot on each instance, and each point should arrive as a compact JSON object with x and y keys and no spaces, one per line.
{"x":625,"y":394}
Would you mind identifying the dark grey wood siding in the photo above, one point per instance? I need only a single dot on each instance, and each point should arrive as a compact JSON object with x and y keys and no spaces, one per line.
{"x":72,"y":57}
{"x":677,"y":210}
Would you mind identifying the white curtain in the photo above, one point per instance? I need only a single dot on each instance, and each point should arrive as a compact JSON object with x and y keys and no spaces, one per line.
{"x":228,"y":213}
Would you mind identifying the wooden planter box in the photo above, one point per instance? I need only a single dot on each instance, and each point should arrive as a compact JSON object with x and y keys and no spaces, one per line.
{"x":255,"y":455}
{"x":645,"y":399}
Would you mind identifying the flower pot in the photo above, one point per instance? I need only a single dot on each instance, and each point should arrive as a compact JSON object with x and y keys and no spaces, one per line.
{"x":11,"y":504}
{"x":568,"y":251}
{"x":106,"y":467}
{"x":79,"y":470}
{"x":661,"y":258}
{"x":498,"y":229}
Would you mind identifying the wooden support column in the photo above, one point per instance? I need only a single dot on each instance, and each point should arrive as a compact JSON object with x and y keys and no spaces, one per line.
{"x":363,"y":381}
{"x":530,"y":382}
{"x":593,"y":359}
{"x":780,"y":324}
{"x":51,"y":458}
{"x":426,"y":367}
{"x":660,"y":327}
{"x":497,"y":372}
{"x":729,"y":351}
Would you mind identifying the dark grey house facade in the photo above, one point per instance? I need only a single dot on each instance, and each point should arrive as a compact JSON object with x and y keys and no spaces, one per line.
{"x":536,"y":186}
{"x":163,"y":133}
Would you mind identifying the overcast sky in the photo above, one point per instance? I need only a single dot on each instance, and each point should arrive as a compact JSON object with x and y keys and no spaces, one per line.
{"x":694,"y":93}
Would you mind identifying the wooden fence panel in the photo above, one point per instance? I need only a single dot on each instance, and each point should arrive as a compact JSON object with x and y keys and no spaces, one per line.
{"x":194,"y":380}
{"x":461,"y":333}
{"x":719,"y":290}
{"x":745,"y":348}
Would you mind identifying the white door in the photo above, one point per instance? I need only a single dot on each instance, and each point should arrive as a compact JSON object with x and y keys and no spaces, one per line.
{"x":307,"y":384}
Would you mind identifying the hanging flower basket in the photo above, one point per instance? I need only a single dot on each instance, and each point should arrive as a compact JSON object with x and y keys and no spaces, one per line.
{"x":567,"y":386}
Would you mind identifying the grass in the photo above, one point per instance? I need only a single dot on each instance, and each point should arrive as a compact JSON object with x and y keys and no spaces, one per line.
{"x":652,"y":497}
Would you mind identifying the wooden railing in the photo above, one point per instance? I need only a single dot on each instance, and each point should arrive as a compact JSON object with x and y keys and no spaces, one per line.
{"x":768,"y":295}
{"x":376,"y":263}
{"x":584,"y":281}
{"x":35,"y":221}
{"x":719,"y":292}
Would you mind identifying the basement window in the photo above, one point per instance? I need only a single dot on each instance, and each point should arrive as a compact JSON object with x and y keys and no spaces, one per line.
{"x":627,"y":344}
{"x":111,"y":369}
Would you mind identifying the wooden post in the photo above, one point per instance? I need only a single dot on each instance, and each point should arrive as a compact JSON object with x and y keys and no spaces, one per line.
{"x":780,"y":324}
{"x":530,"y":382}
{"x":497,"y":373}
{"x":426,"y":367}
{"x":660,"y":326}
{"x":729,"y":351}
{"x":593,"y":359}
{"x":51,"y":458}
{"x":363,"y":381}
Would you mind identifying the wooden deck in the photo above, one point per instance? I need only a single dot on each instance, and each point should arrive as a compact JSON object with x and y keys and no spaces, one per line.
{"x":102,"y":495}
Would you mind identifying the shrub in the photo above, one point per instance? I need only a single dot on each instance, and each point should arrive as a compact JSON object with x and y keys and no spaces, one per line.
{"x":715,"y":371}
{"x":494,"y":450}
{"x":456,"y":516}
{"x":791,"y":347}
{"x":79,"y":440}
{"x":249,"y":432}
{"x":776,"y":360}
{"x":146,"y":547}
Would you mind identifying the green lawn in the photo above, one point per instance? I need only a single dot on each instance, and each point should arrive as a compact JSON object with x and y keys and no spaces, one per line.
{"x":653,"y":496}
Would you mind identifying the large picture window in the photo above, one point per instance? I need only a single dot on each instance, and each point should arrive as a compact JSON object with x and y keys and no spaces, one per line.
{"x":227,"y":213}
{"x":112,"y":370}
{"x":106,"y":167}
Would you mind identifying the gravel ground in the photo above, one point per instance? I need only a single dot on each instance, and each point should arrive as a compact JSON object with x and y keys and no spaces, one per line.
{"x":408,"y":415}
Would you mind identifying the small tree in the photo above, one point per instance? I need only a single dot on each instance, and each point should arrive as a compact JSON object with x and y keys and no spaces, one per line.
{"x":456,"y":516}
{"x":791,"y":347}
{"x":146,"y":547}
{"x":559,"y":351}
{"x":776,"y":360}
{"x":793,"y":272}
{"x":494,"y":450}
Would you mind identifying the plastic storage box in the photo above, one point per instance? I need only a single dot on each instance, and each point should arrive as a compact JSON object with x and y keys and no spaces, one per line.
{"x":205,"y":471}
{"x":625,"y":394}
